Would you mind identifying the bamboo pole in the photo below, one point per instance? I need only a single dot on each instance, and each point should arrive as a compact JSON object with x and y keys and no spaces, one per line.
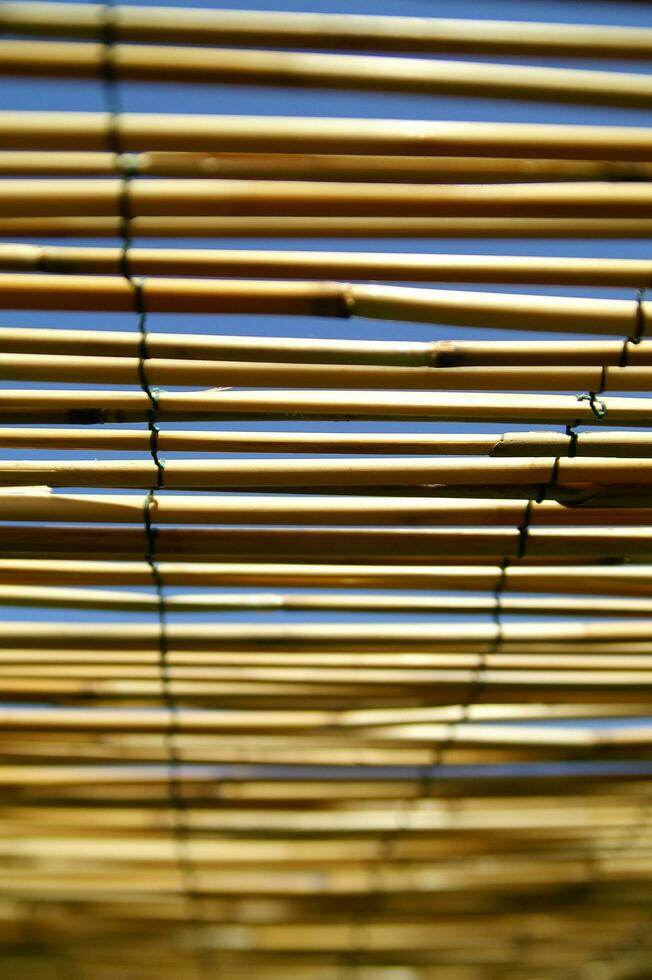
{"x":325,"y":299}
{"x":210,"y":722}
{"x":173,"y":64}
{"x":405,"y":545}
{"x":85,"y":598}
{"x":189,"y":372}
{"x":395,"y":266}
{"x":625,"y":444}
{"x":268,"y":474}
{"x":463,"y":637}
{"x":333,"y":31}
{"x":98,"y":197}
{"x":41,"y":504}
{"x":368,"y":666}
{"x":95,"y":406}
{"x":612,"y":580}
{"x":302,"y":671}
{"x":309,"y":350}
{"x":298,"y":166}
{"x":138,"y":132}
{"x":75,"y":226}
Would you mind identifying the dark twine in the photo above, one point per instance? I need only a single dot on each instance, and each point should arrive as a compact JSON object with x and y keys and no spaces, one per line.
{"x":639,"y":333}
{"x":127,"y":167}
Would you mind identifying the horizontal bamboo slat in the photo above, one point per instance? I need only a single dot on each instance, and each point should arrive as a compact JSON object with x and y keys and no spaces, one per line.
{"x":236,"y":373}
{"x":42,"y":505}
{"x":95,"y":406}
{"x":339,"y":300}
{"x":617,"y":443}
{"x":309,"y":350}
{"x":180,"y":65}
{"x":268,"y":474}
{"x":333,"y":31}
{"x":611,"y":580}
{"x":113,"y":599}
{"x":396,"y":266}
{"x":138,"y":132}
{"x":301,"y":166}
{"x":98,"y":197}
{"x":75,"y":226}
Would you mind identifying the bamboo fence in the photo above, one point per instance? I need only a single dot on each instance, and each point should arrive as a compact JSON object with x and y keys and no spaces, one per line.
{"x":364,"y":695}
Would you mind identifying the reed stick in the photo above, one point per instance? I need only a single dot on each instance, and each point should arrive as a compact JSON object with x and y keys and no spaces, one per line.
{"x":395,"y":266}
{"x":332,"y":31}
{"x":405,"y":545}
{"x":98,"y":197}
{"x":374,"y":674}
{"x":298,"y":166}
{"x":139,"y":132}
{"x":189,"y":372}
{"x":612,"y":580}
{"x":616,"y":443}
{"x":75,"y":226}
{"x":325,"y":299}
{"x":469,"y":637}
{"x":42,"y":505}
{"x":113,"y":599}
{"x":309,"y":350}
{"x":267,"y":474}
{"x":95,"y":406}
{"x":180,"y":65}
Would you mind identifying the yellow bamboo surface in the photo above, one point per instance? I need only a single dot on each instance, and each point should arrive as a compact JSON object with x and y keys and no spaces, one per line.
{"x":189,"y":197}
{"x":618,"y":580}
{"x":75,"y":226}
{"x":310,"y":350}
{"x":536,"y":443}
{"x":171,"y":64}
{"x":342,"y":300}
{"x":333,"y":31}
{"x":294,"y":134}
{"x":396,"y":266}
{"x":40,"y":504}
{"x":90,"y":407}
{"x":252,"y":374}
{"x":303,"y":166}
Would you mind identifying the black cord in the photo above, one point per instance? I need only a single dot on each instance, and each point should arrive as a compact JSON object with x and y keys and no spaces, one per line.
{"x":639,"y":333}
{"x":127,"y":169}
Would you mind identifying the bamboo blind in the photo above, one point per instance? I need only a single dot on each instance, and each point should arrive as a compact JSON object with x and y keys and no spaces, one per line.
{"x":323,"y":657}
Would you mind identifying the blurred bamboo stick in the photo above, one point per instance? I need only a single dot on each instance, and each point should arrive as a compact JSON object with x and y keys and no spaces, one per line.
{"x":181,"y":65}
{"x":138,"y":132}
{"x":426,"y":636}
{"x":187,"y":197}
{"x":85,"y":598}
{"x":301,"y":166}
{"x":75,"y":226}
{"x":333,"y":31}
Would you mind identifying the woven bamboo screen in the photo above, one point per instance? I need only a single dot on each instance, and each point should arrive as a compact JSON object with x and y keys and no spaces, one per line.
{"x":329,"y":655}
